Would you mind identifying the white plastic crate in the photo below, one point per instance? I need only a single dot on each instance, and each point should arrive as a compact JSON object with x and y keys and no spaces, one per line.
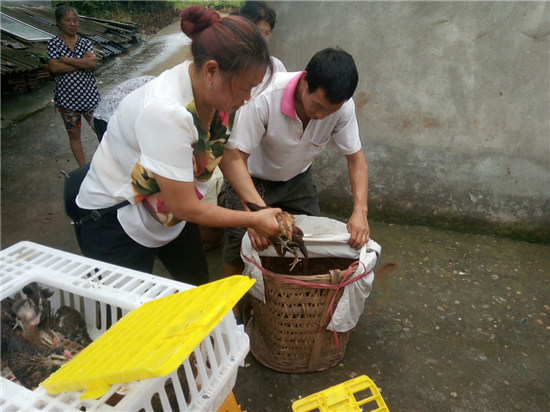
{"x":103,"y":293}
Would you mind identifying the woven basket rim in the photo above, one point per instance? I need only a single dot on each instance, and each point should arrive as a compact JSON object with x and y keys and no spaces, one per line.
{"x":319,"y":278}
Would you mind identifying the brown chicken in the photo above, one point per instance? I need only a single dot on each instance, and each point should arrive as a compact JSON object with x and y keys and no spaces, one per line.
{"x":39,"y":296}
{"x":32,"y":364}
{"x":65,"y":320}
{"x":32,"y":351}
{"x":8,"y":322}
{"x":26,"y":316}
{"x":68,"y":322}
{"x":25,"y":313}
{"x":290,"y":237}
{"x":7,"y":312}
{"x":28,"y":327}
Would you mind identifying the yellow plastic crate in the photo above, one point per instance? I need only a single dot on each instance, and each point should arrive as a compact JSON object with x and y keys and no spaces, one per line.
{"x":230,"y":405}
{"x":150,"y":341}
{"x":342,"y":398}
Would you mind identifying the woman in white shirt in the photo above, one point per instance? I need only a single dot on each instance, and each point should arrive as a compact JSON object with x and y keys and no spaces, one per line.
{"x":163,"y":143}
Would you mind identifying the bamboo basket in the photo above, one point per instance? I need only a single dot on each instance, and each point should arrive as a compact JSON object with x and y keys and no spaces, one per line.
{"x":288,"y":332}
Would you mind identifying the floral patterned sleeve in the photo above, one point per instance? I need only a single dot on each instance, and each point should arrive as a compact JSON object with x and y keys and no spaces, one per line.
{"x":207,"y":154}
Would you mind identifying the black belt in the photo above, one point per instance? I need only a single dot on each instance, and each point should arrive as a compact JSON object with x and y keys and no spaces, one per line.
{"x":87,"y":215}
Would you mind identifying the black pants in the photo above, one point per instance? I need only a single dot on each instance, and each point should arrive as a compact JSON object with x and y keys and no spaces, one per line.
{"x":100,"y":128}
{"x":106,"y":240}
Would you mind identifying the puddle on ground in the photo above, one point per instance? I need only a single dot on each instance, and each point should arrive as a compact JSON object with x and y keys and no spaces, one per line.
{"x":150,"y":58}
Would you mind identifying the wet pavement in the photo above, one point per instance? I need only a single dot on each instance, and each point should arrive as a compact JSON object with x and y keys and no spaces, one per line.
{"x":462,"y":324}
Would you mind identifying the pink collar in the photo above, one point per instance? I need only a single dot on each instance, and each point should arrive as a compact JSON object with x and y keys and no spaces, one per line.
{"x":287,"y":103}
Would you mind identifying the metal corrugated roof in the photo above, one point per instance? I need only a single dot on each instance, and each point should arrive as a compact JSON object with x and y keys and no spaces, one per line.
{"x":98,"y":39}
{"x":18,"y":61}
{"x":32,"y":47}
{"x":31,"y":57}
{"x":113,"y":49}
{"x":107,"y":38}
{"x":25,"y":18}
{"x":123,"y":26}
{"x":44,"y":20}
{"x":36,"y":48}
{"x":86,"y":27}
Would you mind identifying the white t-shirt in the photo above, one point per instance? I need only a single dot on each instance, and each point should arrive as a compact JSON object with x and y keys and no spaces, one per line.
{"x":269,"y":130}
{"x":152,"y":131}
{"x":278,"y":65}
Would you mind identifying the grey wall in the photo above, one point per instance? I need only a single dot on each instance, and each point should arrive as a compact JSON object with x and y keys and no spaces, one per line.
{"x":452,"y":104}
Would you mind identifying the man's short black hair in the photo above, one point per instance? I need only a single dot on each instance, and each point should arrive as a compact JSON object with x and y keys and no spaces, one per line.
{"x":257,"y":11}
{"x":334,"y":71}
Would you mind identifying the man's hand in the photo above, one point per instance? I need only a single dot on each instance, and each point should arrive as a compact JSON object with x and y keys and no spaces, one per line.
{"x":358,"y":227}
{"x":259,"y":243}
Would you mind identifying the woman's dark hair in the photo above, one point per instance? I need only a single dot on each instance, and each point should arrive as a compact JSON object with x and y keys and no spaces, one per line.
{"x":256,"y":11}
{"x":62,"y":10}
{"x":334,"y":71}
{"x":233,"y":42}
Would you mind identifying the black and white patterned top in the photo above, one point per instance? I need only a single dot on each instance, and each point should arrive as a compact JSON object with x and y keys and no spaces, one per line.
{"x":76,"y":90}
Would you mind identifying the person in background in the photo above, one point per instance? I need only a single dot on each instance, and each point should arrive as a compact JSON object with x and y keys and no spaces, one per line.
{"x":264,"y":17}
{"x":282,"y":130}
{"x":111,"y":100}
{"x":142,"y":195}
{"x":73,"y":61}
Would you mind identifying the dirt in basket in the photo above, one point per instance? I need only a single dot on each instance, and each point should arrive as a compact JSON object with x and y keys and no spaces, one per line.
{"x":310,"y":266}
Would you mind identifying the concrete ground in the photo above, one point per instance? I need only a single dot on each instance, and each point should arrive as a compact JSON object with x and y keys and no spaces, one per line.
{"x":462,"y":324}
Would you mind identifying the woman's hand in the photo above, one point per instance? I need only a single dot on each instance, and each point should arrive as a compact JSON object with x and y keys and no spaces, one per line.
{"x":265,"y":223}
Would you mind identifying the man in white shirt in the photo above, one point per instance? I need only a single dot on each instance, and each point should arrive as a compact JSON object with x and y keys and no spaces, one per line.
{"x":279,"y":133}
{"x":264,"y":17}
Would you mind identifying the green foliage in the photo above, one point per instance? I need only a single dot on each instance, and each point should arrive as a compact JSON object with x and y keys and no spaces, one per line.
{"x":216,"y":5}
{"x":98,"y":9}
{"x":107,"y":9}
{"x":221,"y":5}
{"x":151,"y":15}
{"x":110,"y":9}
